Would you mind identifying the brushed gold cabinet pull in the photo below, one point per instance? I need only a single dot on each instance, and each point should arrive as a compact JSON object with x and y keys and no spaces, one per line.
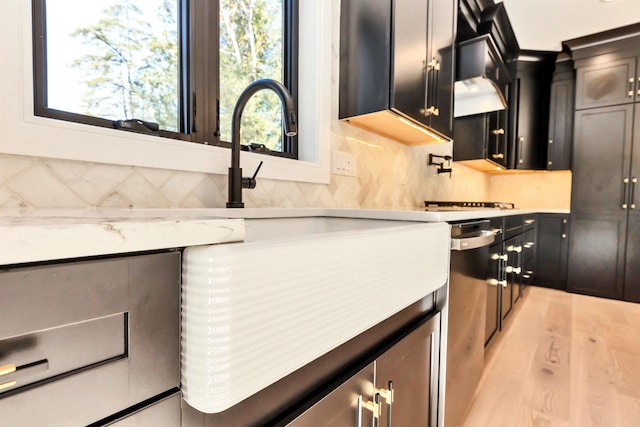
{"x":498,"y":132}
{"x":498,"y":156}
{"x":374,"y":406}
{"x":7,"y":369}
{"x":7,"y":385}
{"x":631,"y":87}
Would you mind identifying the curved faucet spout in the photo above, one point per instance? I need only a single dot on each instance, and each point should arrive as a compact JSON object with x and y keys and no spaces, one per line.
{"x":236,"y":182}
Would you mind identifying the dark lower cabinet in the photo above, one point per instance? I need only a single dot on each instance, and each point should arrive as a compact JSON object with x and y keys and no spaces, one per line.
{"x":632,"y":262}
{"x":552,"y":251}
{"x":399,"y":388}
{"x":597,"y":254}
{"x":602,"y":202}
{"x":512,"y":267}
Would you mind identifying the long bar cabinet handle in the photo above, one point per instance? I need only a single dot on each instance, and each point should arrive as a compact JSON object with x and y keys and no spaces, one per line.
{"x":625,"y":193}
{"x":631,"y":81}
{"x":632,"y":199}
{"x":388,"y":395}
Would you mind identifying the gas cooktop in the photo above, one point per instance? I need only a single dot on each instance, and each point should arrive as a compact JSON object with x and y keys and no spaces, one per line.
{"x":453,"y":206}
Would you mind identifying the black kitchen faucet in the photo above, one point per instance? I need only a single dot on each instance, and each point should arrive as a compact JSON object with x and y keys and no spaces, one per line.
{"x":236,"y":181}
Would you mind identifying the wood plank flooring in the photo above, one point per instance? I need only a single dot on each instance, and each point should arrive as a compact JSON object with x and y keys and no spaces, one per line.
{"x":564,"y":360}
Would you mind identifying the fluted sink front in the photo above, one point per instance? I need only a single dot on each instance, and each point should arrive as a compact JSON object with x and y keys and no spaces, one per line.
{"x":256,"y":311}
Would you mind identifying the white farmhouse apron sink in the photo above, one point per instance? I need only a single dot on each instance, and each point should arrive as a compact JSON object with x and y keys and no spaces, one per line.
{"x":296,"y":288}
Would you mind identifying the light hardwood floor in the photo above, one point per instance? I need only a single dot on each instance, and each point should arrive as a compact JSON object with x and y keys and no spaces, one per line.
{"x":564,"y":360}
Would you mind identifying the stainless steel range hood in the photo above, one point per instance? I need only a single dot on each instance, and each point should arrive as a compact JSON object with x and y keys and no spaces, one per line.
{"x":481,"y":77}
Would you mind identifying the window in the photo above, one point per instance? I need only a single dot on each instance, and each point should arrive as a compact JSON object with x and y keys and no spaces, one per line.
{"x":168,"y":67}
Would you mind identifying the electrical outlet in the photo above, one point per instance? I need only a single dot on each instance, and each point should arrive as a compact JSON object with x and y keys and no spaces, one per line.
{"x":344,"y":164}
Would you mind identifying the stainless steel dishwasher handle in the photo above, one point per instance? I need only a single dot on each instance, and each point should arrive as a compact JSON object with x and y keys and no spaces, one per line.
{"x":485,"y":238}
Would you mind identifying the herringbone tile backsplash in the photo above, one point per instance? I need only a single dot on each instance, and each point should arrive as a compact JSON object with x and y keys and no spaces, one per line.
{"x":390,"y":175}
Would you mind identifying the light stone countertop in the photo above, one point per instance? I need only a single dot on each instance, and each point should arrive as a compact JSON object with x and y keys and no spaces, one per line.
{"x":50,"y":234}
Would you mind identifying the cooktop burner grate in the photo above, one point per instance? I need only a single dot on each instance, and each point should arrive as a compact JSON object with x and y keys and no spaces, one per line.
{"x":448,"y":205}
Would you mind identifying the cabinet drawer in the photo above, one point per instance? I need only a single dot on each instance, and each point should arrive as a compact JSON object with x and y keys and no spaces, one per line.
{"x":512,"y":225}
{"x":45,"y":355}
{"x":88,"y":338}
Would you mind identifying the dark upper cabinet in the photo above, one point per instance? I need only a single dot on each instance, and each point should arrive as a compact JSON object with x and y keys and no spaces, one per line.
{"x":396,"y":67}
{"x":529,"y":111}
{"x":607,"y":83}
{"x":481,"y":140}
{"x":561,"y":112}
{"x":408,"y":83}
{"x":442,"y":18}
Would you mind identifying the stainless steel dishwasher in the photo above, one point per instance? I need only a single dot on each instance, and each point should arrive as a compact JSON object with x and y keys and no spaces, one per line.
{"x":470,"y":243}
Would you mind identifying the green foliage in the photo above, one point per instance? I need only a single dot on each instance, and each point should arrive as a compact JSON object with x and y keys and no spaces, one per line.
{"x":251,"y":47}
{"x":132,"y":70}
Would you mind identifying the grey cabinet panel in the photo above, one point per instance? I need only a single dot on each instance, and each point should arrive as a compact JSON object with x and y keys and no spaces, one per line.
{"x":129,"y":306}
{"x":606,"y":83}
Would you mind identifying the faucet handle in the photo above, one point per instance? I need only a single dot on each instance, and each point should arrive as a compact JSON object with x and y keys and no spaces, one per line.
{"x":251,"y":182}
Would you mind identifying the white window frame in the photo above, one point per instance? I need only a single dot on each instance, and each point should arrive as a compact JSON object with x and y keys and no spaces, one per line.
{"x":23,"y":133}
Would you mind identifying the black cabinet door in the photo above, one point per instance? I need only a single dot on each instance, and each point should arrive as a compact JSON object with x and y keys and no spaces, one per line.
{"x":560,"y":124}
{"x":632,"y":265}
{"x":596,"y":254}
{"x":608,"y":83}
{"x":514,"y":249}
{"x":552,"y":251}
{"x":599,"y":195}
{"x":492,"y":320}
{"x":601,"y":160}
{"x":496,"y":142}
{"x":442,"y":39}
{"x":343,"y":405}
{"x":411,"y":369}
{"x":528,"y":111}
{"x":409,"y":52}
